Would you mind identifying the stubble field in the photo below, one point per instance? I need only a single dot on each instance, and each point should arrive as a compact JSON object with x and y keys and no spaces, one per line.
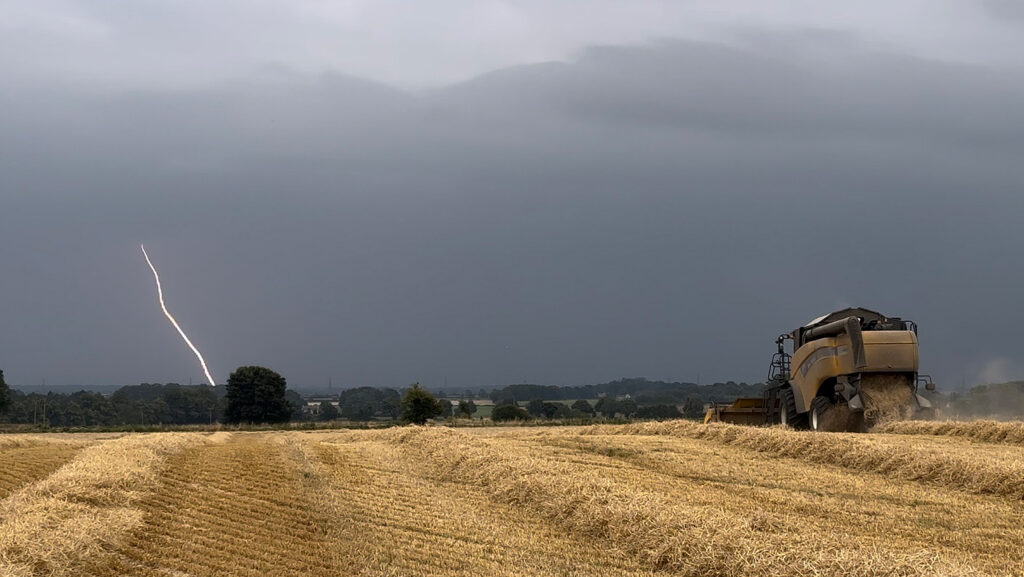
{"x":673,"y":498}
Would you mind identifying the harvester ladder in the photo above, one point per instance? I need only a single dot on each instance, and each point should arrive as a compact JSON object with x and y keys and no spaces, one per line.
{"x":771,"y":403}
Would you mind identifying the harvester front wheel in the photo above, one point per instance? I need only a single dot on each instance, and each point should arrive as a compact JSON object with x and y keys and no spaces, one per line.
{"x":787,"y":409}
{"x":820,"y":417}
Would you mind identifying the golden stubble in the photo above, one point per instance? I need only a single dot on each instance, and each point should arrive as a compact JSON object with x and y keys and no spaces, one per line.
{"x":945,"y":462}
{"x":987,"y":431}
{"x":665,"y":526}
{"x":47,"y":526}
{"x":672,"y":498}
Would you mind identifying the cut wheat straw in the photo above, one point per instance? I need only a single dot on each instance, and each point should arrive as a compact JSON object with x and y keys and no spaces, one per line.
{"x":1010,"y":433}
{"x":83,"y":505}
{"x":688,"y":541}
{"x":961,"y":470}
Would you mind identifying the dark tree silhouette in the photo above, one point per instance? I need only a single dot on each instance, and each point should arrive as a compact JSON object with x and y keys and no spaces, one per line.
{"x":5,"y":394}
{"x":467,"y":408}
{"x":256,"y":395}
{"x":509,"y":413}
{"x":419,"y":406}
{"x":583,"y":406}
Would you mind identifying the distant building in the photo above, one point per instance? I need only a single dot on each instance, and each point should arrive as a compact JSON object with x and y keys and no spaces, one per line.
{"x":477,"y":402}
{"x":312,"y":407}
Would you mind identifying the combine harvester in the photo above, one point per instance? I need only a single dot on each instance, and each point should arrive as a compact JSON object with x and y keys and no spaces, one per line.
{"x":849,"y":371}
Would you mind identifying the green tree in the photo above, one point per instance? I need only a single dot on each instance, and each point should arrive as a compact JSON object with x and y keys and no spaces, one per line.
{"x":557,"y":411}
{"x":365,"y":403}
{"x":659,"y":412}
{"x":583,"y":407}
{"x":627,"y":407}
{"x":419,"y":406}
{"x":467,"y":408}
{"x":509,"y":413}
{"x":535,"y":408}
{"x":5,"y":394}
{"x":606,"y":406}
{"x":256,"y":395}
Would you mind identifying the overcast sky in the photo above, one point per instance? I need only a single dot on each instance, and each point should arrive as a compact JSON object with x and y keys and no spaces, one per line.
{"x":484,"y":193}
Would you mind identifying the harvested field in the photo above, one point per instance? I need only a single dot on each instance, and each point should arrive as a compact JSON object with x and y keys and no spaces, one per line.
{"x":213,"y":502}
{"x":1011,"y":433}
{"x":48,"y":526}
{"x":941,"y":462}
{"x":671,"y":498}
{"x":23,"y":463}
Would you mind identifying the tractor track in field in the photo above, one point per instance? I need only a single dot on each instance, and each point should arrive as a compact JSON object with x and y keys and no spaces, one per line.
{"x":233,"y":508}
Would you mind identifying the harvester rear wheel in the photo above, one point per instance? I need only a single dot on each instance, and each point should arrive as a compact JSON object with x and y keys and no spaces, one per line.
{"x":787,"y":409}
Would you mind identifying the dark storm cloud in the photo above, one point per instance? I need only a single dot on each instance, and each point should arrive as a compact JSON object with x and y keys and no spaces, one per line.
{"x":660,"y":211}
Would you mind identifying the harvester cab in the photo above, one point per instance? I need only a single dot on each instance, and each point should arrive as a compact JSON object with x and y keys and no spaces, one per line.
{"x":848,"y":371}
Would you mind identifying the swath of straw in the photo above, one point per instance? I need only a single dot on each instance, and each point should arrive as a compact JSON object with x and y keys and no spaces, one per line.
{"x":1009,"y":433}
{"x":975,"y":474}
{"x":701,"y":542}
{"x":88,"y":502}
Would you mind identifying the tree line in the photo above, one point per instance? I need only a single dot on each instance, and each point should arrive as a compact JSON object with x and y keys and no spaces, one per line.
{"x":257,"y":394}
{"x":642,"y":391}
{"x":252,"y":394}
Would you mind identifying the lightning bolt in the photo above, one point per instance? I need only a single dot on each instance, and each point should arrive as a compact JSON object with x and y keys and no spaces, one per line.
{"x":160,"y":297}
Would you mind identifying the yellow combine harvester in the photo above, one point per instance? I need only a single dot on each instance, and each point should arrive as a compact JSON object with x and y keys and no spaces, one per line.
{"x":848,"y":371}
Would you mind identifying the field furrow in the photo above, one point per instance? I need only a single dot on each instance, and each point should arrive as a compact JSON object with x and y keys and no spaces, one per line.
{"x":395,"y":518}
{"x":652,"y":521}
{"x":805,"y":499}
{"x":236,"y":508}
{"x":936,"y":461}
{"x":673,"y":498}
{"x":20,"y":466}
{"x":49,"y":526}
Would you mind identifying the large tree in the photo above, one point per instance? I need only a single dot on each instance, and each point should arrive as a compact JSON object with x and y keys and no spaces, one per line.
{"x":509,"y":413}
{"x":583,"y":407}
{"x":5,"y":394}
{"x":256,"y":395}
{"x":418,"y":405}
{"x":467,"y":408}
